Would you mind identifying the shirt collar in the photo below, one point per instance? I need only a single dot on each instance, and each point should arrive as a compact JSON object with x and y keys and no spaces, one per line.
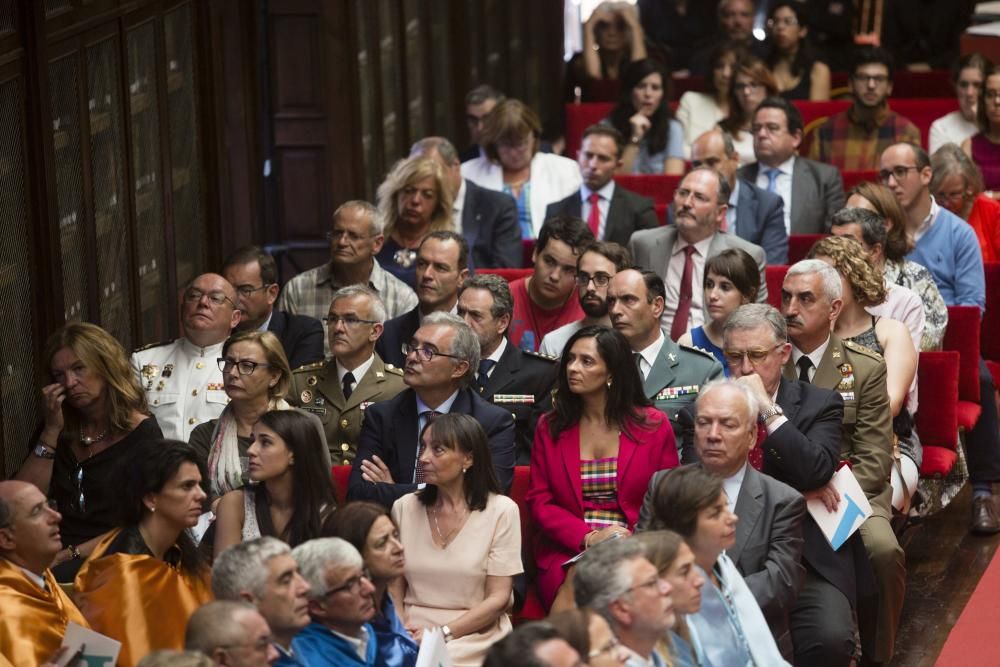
{"x":444,"y":408}
{"x":734,"y":196}
{"x":207,"y":351}
{"x":35,"y":579}
{"x":701,"y":246}
{"x":785,"y":167}
{"x":501,"y":348}
{"x":651,"y":352}
{"x":926,"y":223}
{"x":815,"y":356}
{"x":606,"y":192}
{"x":359,"y":643}
{"x":263,"y":327}
{"x":358,"y":372}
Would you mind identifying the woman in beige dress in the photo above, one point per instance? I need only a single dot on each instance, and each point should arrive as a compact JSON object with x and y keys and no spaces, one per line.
{"x":462,"y":541}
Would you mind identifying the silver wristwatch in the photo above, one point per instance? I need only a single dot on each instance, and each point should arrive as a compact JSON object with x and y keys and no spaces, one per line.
{"x":772,"y":411}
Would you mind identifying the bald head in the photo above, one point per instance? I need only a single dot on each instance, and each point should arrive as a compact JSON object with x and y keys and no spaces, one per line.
{"x":209,"y":311}
{"x":715,"y":149}
{"x":29,"y":528}
{"x":231,"y":633}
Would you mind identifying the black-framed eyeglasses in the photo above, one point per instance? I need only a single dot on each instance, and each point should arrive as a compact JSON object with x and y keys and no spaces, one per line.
{"x":734,"y":357}
{"x":352,"y":585}
{"x":899,"y":173}
{"x":248,"y":290}
{"x":426,"y":353}
{"x":348,"y":320}
{"x":193,"y":295}
{"x":244,"y":366}
{"x":600,"y":278}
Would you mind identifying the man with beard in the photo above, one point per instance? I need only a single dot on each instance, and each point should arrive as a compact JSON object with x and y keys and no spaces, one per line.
{"x":853,"y":140}
{"x":597,"y":265}
{"x":677,"y":253}
{"x":442,"y":265}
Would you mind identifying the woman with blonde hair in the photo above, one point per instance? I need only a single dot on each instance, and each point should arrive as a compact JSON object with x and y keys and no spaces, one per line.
{"x":95,"y":413}
{"x":413,"y":201}
{"x":512,"y":136}
{"x":957,"y":185}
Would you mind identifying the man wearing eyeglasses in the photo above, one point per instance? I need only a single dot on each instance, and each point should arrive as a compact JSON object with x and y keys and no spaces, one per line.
{"x":800,"y":446}
{"x":340,"y":389}
{"x":441,"y":360}
{"x":596,"y":266}
{"x":255,"y":276}
{"x":355,"y":238}
{"x":341,"y":605}
{"x":811,"y":191}
{"x":810,"y":302}
{"x":182,"y":379}
{"x":852,"y":140}
{"x":230,"y":633}
{"x":36,"y":611}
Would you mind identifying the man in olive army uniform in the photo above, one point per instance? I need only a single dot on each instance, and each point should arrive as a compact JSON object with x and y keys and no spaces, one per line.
{"x":810,"y":302}
{"x":672,"y":374}
{"x":340,"y":389}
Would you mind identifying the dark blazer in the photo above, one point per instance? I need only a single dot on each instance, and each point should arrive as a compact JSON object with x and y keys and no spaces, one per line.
{"x":817,"y":193}
{"x":389,"y":431}
{"x":300,"y":335}
{"x":516,"y":376}
{"x":628,"y":212}
{"x":491,"y":228}
{"x":397,"y":331}
{"x":760,"y":219}
{"x":768,"y":544}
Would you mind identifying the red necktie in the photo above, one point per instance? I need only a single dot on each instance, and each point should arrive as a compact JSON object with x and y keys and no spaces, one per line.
{"x":594,"y":217}
{"x":680,"y":323}
{"x":756,"y":455}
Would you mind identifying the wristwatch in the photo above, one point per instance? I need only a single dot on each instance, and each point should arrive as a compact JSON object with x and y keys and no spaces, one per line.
{"x":772,"y":411}
{"x":43,"y":452}
{"x":446,"y":631}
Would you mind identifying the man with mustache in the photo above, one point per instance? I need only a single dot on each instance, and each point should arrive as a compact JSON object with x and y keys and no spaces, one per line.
{"x":338,"y":390}
{"x":182,"y":379}
{"x":35,"y":609}
{"x":442,"y":266}
{"x":596,"y":266}
{"x":810,"y":302}
{"x":677,"y":253}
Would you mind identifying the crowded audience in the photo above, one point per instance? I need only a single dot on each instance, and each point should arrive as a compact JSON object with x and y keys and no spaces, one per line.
{"x":581,"y":458}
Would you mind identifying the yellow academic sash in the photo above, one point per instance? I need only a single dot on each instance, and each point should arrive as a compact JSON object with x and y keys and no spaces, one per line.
{"x":32,"y":621}
{"x":139,"y":600}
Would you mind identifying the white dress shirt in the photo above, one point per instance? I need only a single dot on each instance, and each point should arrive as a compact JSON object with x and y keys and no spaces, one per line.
{"x":675,"y":272}
{"x":815,"y":357}
{"x":648,"y":355}
{"x":782,"y":186}
{"x":603,"y":204}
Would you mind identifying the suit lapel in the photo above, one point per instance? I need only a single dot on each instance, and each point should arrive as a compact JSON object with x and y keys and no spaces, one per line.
{"x":615,"y":214}
{"x":626,"y":447}
{"x":665,"y":248}
{"x":799,"y":196}
{"x":748,"y":509}
{"x":408,"y":430}
{"x":470,"y":214}
{"x":828,"y":374}
{"x":663,"y":371}
{"x":277,"y":323}
{"x":504,"y":372}
{"x":789,"y":397}
{"x":746,"y":214}
{"x":570,"y":450}
{"x":368,"y":384}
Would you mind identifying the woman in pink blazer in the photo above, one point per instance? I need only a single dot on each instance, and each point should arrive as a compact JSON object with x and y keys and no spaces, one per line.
{"x":593,"y":453}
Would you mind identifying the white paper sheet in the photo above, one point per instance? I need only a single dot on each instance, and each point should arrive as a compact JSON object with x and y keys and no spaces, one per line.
{"x":433,"y":652}
{"x":852,"y":511}
{"x":99,"y":650}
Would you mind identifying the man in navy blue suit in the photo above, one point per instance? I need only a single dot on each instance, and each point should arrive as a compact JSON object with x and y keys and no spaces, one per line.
{"x":254,"y":275}
{"x":441,"y":359}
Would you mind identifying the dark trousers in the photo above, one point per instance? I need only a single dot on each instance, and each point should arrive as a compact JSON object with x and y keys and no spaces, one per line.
{"x":822,"y":624}
{"x":982,"y":443}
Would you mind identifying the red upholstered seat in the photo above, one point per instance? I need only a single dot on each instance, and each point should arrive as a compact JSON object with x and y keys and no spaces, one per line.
{"x":532,"y":610}
{"x":775,"y":276}
{"x":527,"y":248}
{"x":339,"y":475}
{"x":578,"y":118}
{"x":661,"y":212}
{"x":991,"y":318}
{"x":962,"y":336}
{"x":853,"y":178}
{"x":510,"y":275}
{"x":799,"y":246}
{"x":659,"y":187}
{"x":937,"y":419}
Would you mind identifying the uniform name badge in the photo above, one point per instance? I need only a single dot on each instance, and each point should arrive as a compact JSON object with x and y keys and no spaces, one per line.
{"x":523,"y":399}
{"x":676,"y":392}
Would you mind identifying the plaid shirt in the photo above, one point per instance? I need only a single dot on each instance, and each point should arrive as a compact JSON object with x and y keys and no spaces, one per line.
{"x":310,"y":293}
{"x":851,"y":146}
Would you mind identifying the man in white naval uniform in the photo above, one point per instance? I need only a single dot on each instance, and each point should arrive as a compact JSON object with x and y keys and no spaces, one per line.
{"x":182,"y":380}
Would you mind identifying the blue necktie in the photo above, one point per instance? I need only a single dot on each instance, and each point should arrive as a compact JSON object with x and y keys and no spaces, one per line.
{"x":772,"y":179}
{"x":484,"y":373}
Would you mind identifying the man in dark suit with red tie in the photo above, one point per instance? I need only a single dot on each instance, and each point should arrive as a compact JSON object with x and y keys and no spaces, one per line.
{"x":612,"y":212}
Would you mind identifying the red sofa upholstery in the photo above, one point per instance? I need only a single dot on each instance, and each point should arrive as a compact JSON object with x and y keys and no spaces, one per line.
{"x":775,"y":277}
{"x":339,"y":475}
{"x":527,"y":250}
{"x":962,"y":336}
{"x":532,"y":610}
{"x":853,"y":178}
{"x":799,"y":246}
{"x":510,"y":275}
{"x":991,"y":319}
{"x":937,"y":419}
{"x":659,"y":188}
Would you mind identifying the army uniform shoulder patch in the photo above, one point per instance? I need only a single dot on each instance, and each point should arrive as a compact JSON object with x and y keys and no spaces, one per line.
{"x":389,"y":368}
{"x":309,"y":367}
{"x":540,"y":355}
{"x":152,"y":345}
{"x":698,"y":350}
{"x":861,"y":349}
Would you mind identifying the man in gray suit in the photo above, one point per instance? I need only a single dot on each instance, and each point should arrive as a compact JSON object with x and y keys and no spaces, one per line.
{"x":677,"y":252}
{"x":619,"y":212}
{"x":812,"y":191}
{"x":768,"y":548}
{"x":671,"y":374}
{"x":754,"y":215}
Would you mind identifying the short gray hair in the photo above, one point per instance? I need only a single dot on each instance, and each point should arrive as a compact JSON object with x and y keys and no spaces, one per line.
{"x":832,"y":287}
{"x":753,"y":315}
{"x":871,"y":223}
{"x":444,"y":148}
{"x":315,"y":557}
{"x":753,"y":405}
{"x":243,"y":567}
{"x":951,"y":159}
{"x":377,"y":308}
{"x":170,"y":658}
{"x":365,"y":207}
{"x":503,"y":302}
{"x":601,"y":577}
{"x":466,"y":343}
{"x":216,"y":624}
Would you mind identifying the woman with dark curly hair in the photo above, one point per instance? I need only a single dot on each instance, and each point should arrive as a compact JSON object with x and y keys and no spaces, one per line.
{"x":655,"y":139}
{"x":146,"y":578}
{"x":95,"y":414}
{"x":593,"y":454}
